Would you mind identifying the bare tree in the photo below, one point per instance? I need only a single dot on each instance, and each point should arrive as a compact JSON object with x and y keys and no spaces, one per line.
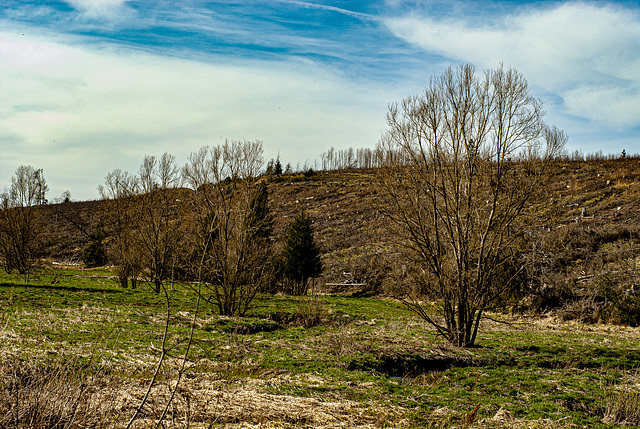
{"x":460,"y":163}
{"x":158,"y":222}
{"x":143,"y":220}
{"x":118,"y":217}
{"x":20,"y":220}
{"x":230,"y":231}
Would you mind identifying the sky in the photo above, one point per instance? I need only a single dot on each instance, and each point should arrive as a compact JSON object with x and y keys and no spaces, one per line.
{"x":88,"y":86}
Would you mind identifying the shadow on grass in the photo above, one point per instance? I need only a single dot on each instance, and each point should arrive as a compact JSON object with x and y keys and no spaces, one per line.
{"x":58,"y":288}
{"x":412,"y":365}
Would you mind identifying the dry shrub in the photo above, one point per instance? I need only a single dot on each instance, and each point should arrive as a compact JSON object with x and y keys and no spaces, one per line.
{"x":587,"y":271}
{"x":58,"y":395}
{"x":586,"y":310}
{"x":621,"y":291}
{"x":622,"y":405}
{"x":311,"y":312}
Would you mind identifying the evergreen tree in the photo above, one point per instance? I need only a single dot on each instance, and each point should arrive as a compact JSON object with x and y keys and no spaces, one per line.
{"x":301,"y":255}
{"x":94,"y":255}
{"x":277,"y":168}
{"x":269,"y":171}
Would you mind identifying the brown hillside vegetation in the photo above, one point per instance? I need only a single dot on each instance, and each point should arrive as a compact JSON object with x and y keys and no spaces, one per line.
{"x":588,"y":220}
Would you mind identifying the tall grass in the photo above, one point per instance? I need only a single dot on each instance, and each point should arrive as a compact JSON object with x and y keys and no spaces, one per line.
{"x":56,"y":395}
{"x":622,"y":405}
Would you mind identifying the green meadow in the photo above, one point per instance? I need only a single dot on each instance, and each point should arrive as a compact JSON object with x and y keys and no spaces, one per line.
{"x":84,"y":351}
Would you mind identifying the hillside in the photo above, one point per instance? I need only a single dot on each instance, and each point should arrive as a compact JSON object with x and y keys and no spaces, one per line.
{"x":590,"y":213}
{"x":343,"y":205}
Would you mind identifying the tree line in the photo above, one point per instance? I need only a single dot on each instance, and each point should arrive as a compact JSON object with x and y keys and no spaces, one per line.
{"x":208,"y":223}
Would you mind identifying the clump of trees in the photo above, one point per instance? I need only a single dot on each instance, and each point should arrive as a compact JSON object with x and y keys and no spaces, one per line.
{"x":119,"y":218}
{"x":20,"y":221}
{"x":341,"y":159}
{"x":230,"y":224}
{"x":142,"y":221}
{"x":207,"y":222}
{"x":158,"y":218}
{"x":460,"y":162}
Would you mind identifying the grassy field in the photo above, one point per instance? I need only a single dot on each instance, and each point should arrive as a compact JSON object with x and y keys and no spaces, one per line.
{"x":81,"y":353}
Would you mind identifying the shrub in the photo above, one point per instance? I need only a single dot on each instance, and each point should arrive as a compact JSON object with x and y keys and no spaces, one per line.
{"x":625,"y":303}
{"x":587,"y":309}
{"x":94,"y":255}
{"x":311,"y":312}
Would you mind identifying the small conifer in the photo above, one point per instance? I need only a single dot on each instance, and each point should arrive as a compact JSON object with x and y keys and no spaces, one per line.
{"x":301,"y":255}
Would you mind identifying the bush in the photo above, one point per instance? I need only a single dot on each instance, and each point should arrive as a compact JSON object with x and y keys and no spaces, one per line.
{"x":625,"y":303}
{"x":310,"y":313}
{"x":586,"y":310}
{"x":94,"y":255}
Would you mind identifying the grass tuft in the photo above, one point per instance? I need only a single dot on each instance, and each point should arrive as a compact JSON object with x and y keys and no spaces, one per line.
{"x":623,"y":403}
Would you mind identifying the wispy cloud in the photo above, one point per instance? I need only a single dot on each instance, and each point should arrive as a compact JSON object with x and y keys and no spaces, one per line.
{"x":587,"y":53}
{"x":79,"y":113}
{"x":351,"y":13}
{"x":101,"y":9}
{"x":92,"y":85}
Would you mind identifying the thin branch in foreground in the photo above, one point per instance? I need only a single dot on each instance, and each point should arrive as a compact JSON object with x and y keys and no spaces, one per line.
{"x":157,"y":371}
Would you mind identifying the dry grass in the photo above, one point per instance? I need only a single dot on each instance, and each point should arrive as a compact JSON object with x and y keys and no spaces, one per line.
{"x":623,"y":403}
{"x":59,"y":395}
{"x":65,"y":395}
{"x":552,"y":323}
{"x":444,"y":417}
{"x":202,"y":401}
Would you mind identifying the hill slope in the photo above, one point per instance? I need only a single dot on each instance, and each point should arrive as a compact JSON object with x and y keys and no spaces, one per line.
{"x":591,"y":209}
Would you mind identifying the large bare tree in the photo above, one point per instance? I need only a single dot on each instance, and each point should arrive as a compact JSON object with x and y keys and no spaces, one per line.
{"x":230,"y":224}
{"x":20,"y":219}
{"x":460,"y":163}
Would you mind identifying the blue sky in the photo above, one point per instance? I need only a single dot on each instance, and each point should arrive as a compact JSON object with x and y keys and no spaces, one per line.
{"x":87,"y":86}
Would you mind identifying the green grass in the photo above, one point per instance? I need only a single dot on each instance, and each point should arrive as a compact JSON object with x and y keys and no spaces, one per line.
{"x":370,"y":351}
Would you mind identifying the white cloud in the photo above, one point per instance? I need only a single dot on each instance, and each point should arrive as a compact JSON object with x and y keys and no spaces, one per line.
{"x":111,"y":10}
{"x":356,"y":15}
{"x":79,"y":113}
{"x":581,"y":51}
{"x":88,"y":5}
{"x":627,"y":104}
